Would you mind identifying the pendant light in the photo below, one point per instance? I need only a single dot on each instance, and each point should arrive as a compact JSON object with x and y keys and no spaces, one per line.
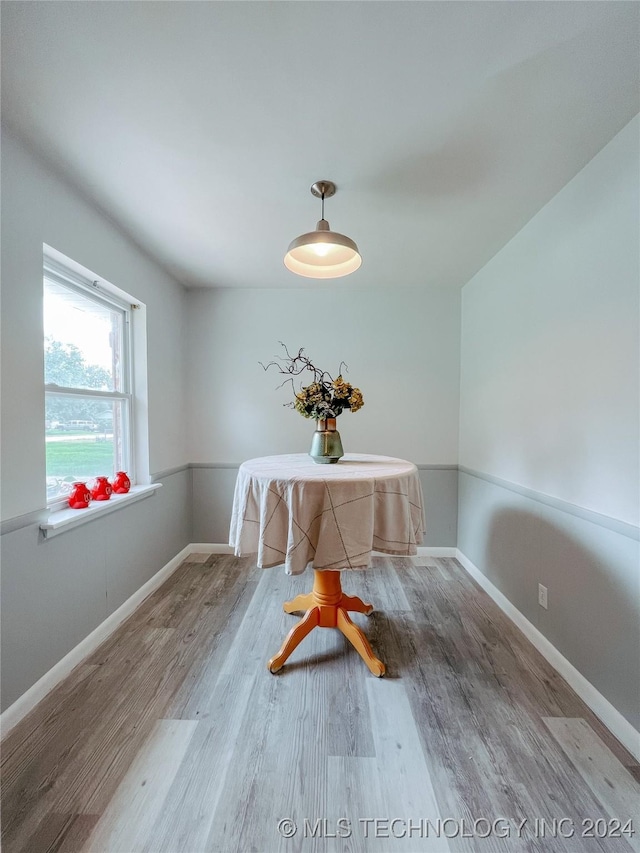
{"x":322,"y":253}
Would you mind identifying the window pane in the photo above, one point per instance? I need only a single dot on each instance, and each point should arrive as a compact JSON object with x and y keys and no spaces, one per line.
{"x":83,"y":340}
{"x":85,"y":438}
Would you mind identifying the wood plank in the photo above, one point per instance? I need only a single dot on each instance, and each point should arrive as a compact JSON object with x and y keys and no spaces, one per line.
{"x":348,"y":726}
{"x":522,"y":671}
{"x":432,"y":565}
{"x":355,"y":795}
{"x":198,"y":558}
{"x":402,"y":770}
{"x":533,"y":676}
{"x":61,"y":833}
{"x":27,"y":739}
{"x":90,"y":773}
{"x":211,"y":646}
{"x":128,"y":820}
{"x":487,"y":758}
{"x":609,"y":780}
{"x":379,"y":585}
{"x":279,"y":763}
{"x":279,"y":767}
{"x":190,"y":593}
{"x":123,"y":725}
{"x":72,"y":774}
{"x":196,"y":792}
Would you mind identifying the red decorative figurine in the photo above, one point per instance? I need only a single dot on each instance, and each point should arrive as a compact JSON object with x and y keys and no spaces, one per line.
{"x":101,"y":490}
{"x":80,"y":496}
{"x":121,"y":483}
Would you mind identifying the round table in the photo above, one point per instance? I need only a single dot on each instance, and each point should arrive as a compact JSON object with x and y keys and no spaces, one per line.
{"x":290,"y":511}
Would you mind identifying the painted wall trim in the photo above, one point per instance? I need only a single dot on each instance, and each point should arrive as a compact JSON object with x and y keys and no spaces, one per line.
{"x":420,"y":467}
{"x":601,"y":707}
{"x":25,"y":703}
{"x":215,"y":464}
{"x":19,"y":521}
{"x":39,"y":516}
{"x":169,"y":472}
{"x":621,"y":527}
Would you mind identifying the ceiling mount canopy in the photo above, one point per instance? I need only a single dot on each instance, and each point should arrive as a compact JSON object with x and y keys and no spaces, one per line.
{"x":322,"y":253}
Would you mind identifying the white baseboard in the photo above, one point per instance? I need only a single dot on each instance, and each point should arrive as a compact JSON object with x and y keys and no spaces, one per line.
{"x":209,"y":548}
{"x":23,"y":705}
{"x":437,"y":552}
{"x":601,"y":707}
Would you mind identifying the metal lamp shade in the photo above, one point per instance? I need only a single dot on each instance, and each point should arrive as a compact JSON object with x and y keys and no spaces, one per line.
{"x":322,"y":254}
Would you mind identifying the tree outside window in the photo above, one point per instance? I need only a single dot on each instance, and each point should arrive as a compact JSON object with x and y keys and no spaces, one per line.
{"x":87,"y":384}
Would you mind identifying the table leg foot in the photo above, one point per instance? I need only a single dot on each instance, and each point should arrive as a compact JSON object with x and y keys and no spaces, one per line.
{"x":352,"y":602}
{"x":358,"y":640}
{"x":299,"y":603}
{"x":305,"y":626}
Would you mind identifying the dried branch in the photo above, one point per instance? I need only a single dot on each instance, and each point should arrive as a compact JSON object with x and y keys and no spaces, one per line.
{"x":324,"y":397}
{"x":297,"y":364}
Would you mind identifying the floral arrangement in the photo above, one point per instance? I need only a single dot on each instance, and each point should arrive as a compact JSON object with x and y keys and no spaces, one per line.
{"x":325,"y":397}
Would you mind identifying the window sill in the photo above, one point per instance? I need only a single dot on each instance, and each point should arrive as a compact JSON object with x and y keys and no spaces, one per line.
{"x":66,"y":519}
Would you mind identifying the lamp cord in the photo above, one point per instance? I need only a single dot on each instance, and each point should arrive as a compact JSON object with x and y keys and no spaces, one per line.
{"x":322,"y":205}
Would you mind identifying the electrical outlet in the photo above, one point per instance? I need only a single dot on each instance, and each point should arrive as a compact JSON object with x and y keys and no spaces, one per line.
{"x":542,"y":596}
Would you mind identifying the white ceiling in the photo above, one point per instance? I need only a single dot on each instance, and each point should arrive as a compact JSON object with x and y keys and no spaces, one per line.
{"x":199,"y":126}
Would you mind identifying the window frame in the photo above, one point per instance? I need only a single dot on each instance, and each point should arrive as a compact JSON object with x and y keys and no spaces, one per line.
{"x":95,"y":291}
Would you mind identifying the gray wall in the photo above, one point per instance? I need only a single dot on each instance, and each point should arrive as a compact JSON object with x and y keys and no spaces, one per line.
{"x":589,"y":564}
{"x":213,"y":495}
{"x":550,"y":375}
{"x":56,"y":591}
{"x":402,"y":347}
{"x":38,"y":208}
{"x":549,"y":419}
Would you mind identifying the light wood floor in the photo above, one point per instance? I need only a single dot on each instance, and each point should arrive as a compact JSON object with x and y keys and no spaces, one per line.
{"x":173,"y":736}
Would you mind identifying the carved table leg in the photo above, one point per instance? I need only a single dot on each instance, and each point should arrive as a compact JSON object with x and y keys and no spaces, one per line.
{"x":358,"y":640}
{"x":352,"y":602}
{"x":295,"y":636}
{"x":327,"y":607}
{"x":300,"y":602}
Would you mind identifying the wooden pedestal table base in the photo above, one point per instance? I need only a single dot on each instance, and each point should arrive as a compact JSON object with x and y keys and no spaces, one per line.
{"x":327,"y":607}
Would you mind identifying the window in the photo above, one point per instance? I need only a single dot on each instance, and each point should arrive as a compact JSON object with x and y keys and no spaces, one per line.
{"x":88,"y":380}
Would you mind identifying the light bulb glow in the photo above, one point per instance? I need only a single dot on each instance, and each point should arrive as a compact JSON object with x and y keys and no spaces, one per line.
{"x":322,"y":253}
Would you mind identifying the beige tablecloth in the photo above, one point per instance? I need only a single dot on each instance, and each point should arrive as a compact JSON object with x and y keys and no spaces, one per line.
{"x":289,"y":510}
